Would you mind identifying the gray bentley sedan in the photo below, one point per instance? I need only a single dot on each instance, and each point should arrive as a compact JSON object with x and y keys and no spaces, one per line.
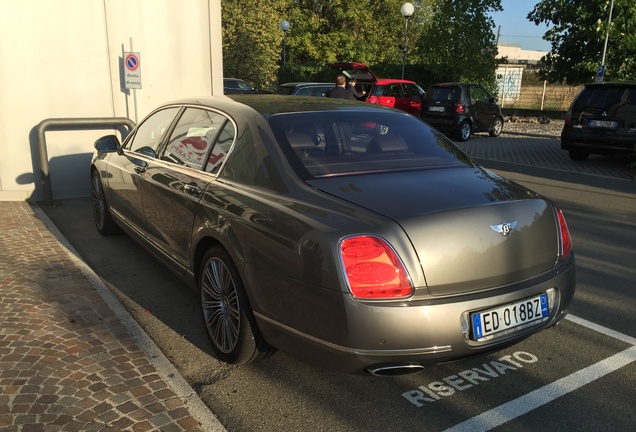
{"x":350,"y":235}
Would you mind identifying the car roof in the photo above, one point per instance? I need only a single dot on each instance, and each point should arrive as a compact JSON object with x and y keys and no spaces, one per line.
{"x":384,"y":81}
{"x":306,"y":84}
{"x":454,"y":84}
{"x":271,"y":104}
{"x":629,"y":83}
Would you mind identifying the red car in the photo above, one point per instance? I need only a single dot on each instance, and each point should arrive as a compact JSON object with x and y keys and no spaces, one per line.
{"x":396,"y":93}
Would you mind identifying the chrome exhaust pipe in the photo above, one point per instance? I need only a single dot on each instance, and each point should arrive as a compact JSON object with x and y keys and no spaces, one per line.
{"x":395,"y":370}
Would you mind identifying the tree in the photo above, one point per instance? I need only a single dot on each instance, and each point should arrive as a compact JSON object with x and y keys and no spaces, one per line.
{"x":578,"y":34}
{"x":368,"y":31}
{"x":252,"y":39}
{"x":460,"y":44}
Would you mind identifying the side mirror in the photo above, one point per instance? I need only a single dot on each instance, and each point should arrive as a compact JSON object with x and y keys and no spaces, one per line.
{"x":493,"y":100}
{"x":107,"y":144}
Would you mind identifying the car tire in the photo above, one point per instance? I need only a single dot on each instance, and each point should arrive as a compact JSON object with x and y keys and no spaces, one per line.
{"x":497,"y":127}
{"x":578,"y":155}
{"x":104,"y":222}
{"x":227,"y":315}
{"x":464,"y":131}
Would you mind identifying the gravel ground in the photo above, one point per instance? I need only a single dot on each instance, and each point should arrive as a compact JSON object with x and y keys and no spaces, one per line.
{"x":533,"y":126}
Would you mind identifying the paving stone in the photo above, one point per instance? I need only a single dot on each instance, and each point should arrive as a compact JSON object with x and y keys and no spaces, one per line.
{"x":66,"y":361}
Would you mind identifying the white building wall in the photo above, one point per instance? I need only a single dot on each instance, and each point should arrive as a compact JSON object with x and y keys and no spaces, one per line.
{"x":63,"y":59}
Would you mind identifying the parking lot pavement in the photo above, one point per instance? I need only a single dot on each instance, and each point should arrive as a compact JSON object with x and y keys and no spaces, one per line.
{"x":542,"y":152}
{"x":71,"y":358}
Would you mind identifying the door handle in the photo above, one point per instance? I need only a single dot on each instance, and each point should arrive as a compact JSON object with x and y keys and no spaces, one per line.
{"x":140,"y":169}
{"x":192,"y":190}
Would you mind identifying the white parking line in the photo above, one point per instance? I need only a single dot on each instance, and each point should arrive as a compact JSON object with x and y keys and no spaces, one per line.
{"x":524,"y":404}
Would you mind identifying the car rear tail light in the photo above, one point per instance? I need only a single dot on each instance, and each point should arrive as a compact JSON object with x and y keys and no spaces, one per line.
{"x":373,"y":269}
{"x":460,"y":108}
{"x":566,"y":240}
{"x":568,"y":118}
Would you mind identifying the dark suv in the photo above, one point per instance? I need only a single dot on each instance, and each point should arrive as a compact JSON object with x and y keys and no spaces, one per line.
{"x":601,"y":120}
{"x":459,"y":109}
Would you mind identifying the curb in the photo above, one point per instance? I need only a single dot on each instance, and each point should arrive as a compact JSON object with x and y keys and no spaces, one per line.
{"x":169,"y":373}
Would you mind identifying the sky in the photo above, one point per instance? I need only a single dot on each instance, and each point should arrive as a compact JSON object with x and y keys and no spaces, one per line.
{"x":515,"y":28}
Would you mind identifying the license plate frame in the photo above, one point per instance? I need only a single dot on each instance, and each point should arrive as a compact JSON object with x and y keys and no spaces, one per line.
{"x":440,"y":109}
{"x":505,"y":319}
{"x":603,"y":124}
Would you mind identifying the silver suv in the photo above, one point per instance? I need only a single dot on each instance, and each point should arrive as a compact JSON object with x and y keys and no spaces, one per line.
{"x":304,"y":89}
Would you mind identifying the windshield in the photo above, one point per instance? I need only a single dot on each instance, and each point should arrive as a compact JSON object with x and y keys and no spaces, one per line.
{"x":329,"y":143}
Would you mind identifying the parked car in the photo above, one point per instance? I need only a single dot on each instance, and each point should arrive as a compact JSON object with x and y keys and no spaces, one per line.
{"x":304,"y":89}
{"x":238,"y":86}
{"x":395,"y":93}
{"x":325,"y":228}
{"x":460,"y":109}
{"x":601,"y":120}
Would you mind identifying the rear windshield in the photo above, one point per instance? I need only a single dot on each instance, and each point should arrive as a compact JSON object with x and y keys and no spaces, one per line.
{"x":330,"y":143}
{"x":606,"y":98}
{"x":449,"y":94}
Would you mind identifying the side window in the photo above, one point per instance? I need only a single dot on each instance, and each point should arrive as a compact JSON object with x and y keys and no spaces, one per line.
{"x":412,"y":91}
{"x":151,"y":132}
{"x":394,"y":90}
{"x":192,"y":141}
{"x":478,"y":94}
{"x":307,"y":91}
{"x":221,"y":148}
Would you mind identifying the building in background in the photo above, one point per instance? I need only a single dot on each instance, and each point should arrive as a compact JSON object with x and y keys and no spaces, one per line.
{"x":509,"y":75}
{"x":64,"y":59}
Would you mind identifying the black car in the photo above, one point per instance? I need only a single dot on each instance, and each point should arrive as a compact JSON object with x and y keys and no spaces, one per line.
{"x":601,"y":120}
{"x":304,"y":89}
{"x":238,"y":86}
{"x":459,"y":109}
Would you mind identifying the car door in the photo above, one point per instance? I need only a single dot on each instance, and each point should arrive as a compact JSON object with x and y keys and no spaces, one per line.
{"x":126,"y":169}
{"x":411,"y":99}
{"x":483,"y":107}
{"x":175,"y":182}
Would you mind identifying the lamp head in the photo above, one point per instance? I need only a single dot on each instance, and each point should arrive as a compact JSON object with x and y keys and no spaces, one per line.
{"x":407,"y":10}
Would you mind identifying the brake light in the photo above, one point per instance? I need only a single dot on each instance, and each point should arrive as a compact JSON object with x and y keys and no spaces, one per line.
{"x":568,"y":118}
{"x":373,"y":269}
{"x":566,"y":240}
{"x":460,"y":108}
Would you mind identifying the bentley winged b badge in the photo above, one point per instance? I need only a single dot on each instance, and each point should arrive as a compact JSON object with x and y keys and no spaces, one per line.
{"x":504,"y":228}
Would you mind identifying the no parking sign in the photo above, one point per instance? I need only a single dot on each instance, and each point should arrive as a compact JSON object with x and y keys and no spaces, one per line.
{"x":132,"y":70}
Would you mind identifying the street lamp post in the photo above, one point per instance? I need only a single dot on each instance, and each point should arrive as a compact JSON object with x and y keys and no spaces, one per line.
{"x":600,"y":75}
{"x":406,"y":10}
{"x":284,"y":26}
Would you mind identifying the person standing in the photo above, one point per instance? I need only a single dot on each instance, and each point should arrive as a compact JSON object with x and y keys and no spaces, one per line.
{"x":340,"y":91}
{"x":352,"y":88}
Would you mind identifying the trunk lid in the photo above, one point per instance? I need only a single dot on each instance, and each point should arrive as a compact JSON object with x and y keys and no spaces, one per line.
{"x":471,"y":229}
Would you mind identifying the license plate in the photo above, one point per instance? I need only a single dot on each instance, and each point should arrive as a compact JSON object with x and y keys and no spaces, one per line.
{"x":436,"y":108}
{"x":603,"y":124}
{"x":509,"y":318}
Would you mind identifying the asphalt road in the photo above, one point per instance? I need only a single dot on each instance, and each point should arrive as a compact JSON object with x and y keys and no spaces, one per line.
{"x":579,"y":376}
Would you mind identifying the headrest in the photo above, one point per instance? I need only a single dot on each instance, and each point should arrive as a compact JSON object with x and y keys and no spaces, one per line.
{"x":300,"y":140}
{"x":387,"y":143}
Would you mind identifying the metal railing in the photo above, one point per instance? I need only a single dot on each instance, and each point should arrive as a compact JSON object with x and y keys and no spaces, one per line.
{"x":69,"y":124}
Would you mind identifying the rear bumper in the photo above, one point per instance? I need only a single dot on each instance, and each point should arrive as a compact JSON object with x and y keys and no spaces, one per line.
{"x":419,"y":333}
{"x":444,"y":125}
{"x":598,"y":144}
